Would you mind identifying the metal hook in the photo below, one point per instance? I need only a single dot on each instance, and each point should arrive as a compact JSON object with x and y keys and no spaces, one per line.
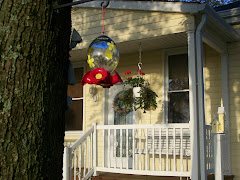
{"x":105,"y":6}
{"x":139,"y":66}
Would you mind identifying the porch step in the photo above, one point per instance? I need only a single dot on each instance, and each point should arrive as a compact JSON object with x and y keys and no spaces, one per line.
{"x":115,"y":176}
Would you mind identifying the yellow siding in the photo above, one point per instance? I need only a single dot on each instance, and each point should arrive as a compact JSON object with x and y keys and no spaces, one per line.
{"x":234,"y":88}
{"x":125,"y":25}
{"x":213,"y":82}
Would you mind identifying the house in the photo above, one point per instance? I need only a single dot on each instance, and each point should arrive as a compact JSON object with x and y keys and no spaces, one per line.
{"x":190,"y":44}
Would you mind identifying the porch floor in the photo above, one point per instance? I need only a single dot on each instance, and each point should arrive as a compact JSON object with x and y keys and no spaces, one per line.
{"x":114,"y":176}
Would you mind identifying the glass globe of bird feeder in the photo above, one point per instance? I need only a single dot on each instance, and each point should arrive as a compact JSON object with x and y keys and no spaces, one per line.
{"x":103,"y":53}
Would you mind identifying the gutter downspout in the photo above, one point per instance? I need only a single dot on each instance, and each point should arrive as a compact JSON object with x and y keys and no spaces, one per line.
{"x":200,"y":98}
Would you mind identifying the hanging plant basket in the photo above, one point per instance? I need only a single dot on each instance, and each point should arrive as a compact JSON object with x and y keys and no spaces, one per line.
{"x":136,"y":92}
{"x":139,"y":96}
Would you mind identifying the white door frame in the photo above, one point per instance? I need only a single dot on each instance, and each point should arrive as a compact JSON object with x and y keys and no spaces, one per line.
{"x":108,"y":115}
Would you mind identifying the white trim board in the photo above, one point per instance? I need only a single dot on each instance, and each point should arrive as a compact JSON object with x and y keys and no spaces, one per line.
{"x":69,"y":133}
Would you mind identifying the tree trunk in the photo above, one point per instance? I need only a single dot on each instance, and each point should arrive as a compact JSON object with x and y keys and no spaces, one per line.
{"x":33,"y":85}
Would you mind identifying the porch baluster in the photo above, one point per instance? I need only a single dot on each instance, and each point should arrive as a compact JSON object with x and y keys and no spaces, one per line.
{"x":109,"y":151}
{"x":80,"y":161}
{"x":89,"y":153}
{"x":153,"y":148}
{"x":146,"y":150}
{"x":133,"y":149}
{"x":127,"y":147}
{"x":174,"y":149}
{"x":167,"y":141}
{"x":207,"y":149}
{"x":75,"y":164}
{"x":121,"y":147}
{"x":160,"y":149}
{"x":103,"y":150}
{"x":115,"y":148}
{"x":85,"y":158}
{"x":140,"y":149}
{"x":181,"y":150}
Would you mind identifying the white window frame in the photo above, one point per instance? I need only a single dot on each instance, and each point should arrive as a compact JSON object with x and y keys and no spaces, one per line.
{"x":79,"y":64}
{"x":166,"y":54}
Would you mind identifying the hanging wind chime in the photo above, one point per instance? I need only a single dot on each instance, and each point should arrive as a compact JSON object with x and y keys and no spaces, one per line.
{"x":102,"y":58}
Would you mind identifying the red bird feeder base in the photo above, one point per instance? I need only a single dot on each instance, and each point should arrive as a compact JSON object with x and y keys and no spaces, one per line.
{"x":101,"y":77}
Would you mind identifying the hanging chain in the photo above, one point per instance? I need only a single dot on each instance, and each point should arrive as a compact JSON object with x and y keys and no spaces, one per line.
{"x":140,"y":58}
{"x":103,"y":15}
{"x":104,"y":7}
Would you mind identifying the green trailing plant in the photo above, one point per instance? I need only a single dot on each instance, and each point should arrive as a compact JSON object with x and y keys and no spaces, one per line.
{"x":127,"y":102}
{"x":147,"y":100}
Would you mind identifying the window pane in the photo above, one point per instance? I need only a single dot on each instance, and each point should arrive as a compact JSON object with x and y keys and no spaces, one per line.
{"x":178,"y":107}
{"x":74,"y":116}
{"x":77,"y":89}
{"x":178,"y":72}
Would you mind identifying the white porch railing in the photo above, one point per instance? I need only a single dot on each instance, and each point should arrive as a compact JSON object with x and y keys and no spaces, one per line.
{"x":147,"y":149}
{"x":82,"y":154}
{"x":209,"y":150}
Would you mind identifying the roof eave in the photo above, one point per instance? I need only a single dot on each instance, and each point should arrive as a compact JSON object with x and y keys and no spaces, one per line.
{"x":174,"y":7}
{"x":216,"y":20}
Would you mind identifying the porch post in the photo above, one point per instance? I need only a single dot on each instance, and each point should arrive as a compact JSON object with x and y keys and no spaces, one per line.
{"x":225,"y":97}
{"x":193,"y":105}
{"x":200,"y":98}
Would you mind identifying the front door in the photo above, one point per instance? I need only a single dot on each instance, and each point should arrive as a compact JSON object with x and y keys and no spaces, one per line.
{"x":119,"y":138}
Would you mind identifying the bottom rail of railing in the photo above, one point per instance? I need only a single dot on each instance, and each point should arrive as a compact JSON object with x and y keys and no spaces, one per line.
{"x":140,"y":172}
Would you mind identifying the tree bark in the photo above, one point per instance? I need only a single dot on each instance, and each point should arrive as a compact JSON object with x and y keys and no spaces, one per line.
{"x":33,"y":88}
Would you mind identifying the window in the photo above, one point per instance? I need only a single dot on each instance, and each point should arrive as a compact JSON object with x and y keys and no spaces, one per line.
{"x":178,"y":89}
{"x":74,"y":115}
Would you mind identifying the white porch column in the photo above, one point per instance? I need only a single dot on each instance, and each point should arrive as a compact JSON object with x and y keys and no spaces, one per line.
{"x":193,"y":105}
{"x":200,"y":97}
{"x":225,"y":97}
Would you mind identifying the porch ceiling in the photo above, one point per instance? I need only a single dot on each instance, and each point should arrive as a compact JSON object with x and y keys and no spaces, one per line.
{"x":148,"y":44}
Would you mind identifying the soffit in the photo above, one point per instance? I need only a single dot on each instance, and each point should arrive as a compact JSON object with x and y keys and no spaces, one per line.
{"x":148,"y":44}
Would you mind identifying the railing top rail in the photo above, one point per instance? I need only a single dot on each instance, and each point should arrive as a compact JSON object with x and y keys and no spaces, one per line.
{"x":80,"y":140}
{"x":144,"y":126}
{"x":208,"y":127}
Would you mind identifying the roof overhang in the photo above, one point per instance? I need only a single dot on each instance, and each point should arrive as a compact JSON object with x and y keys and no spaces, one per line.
{"x":197,"y":9}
